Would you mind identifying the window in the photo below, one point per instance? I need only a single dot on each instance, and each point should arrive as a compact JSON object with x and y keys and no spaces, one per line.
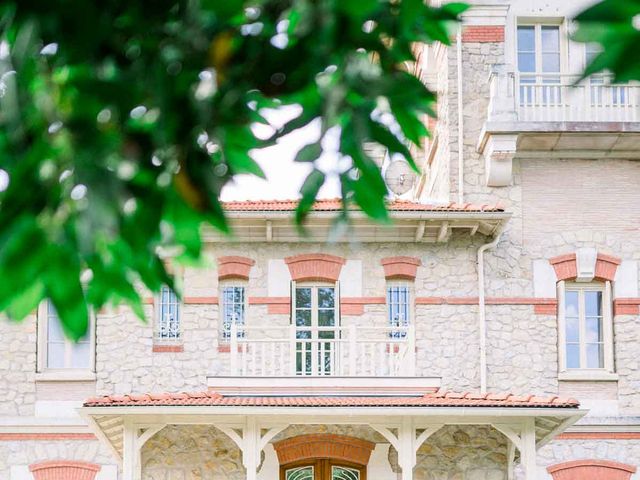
{"x":57,"y":352}
{"x":585,"y":328}
{"x":399,"y":308}
{"x":316,"y":316}
{"x":602,"y":94}
{"x":168,"y":316}
{"x":539,"y":64}
{"x":233,"y":309}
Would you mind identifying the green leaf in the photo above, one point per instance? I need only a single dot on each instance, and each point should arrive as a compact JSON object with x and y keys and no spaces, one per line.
{"x":309,"y":153}
{"x":309,"y":191}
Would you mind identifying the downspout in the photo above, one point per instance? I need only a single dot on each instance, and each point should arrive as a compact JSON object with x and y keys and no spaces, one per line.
{"x":460,"y":118}
{"x":482,"y":319}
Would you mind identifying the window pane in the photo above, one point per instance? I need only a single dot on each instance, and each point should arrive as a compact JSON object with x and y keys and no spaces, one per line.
{"x":303,"y":318}
{"x":326,"y":318}
{"x":80,"y":355}
{"x":593,"y":303}
{"x":572,"y":329}
{"x":594,"y":329}
{"x":573,"y":356}
{"x":526,"y":39}
{"x":595,"y":355}
{"x":550,"y":39}
{"x":55,"y":355}
{"x":591,"y":51}
{"x":526,"y":62}
{"x":303,"y":298}
{"x":550,"y":62}
{"x":571,"y":303}
{"x":54,"y":327}
{"x":326,"y":297}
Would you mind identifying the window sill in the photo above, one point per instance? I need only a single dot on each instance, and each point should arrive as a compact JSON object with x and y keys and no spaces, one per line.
{"x":167,"y":348}
{"x":588,"y":376}
{"x":70,"y":375}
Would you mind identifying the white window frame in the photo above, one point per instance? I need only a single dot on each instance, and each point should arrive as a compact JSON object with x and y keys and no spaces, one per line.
{"x":314,"y":314}
{"x":538,"y":23}
{"x":232,"y":284}
{"x":411,"y":305}
{"x":70,"y":373}
{"x":157,"y":339}
{"x":605,"y":373}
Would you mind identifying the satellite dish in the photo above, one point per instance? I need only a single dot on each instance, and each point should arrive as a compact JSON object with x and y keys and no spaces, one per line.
{"x":399,"y":177}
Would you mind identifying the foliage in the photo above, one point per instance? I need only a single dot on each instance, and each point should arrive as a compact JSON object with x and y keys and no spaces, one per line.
{"x":615,"y":25}
{"x":120,"y":122}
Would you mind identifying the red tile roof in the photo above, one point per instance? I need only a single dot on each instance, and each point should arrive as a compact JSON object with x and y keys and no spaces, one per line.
{"x":438,"y":399}
{"x":329,"y":205}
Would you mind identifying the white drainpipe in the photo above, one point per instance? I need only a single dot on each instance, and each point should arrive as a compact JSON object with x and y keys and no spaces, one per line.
{"x":460,"y":117}
{"x":482,"y":319}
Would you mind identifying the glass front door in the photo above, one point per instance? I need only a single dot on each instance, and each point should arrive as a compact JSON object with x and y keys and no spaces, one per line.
{"x":316,"y":333}
{"x":323,"y":470}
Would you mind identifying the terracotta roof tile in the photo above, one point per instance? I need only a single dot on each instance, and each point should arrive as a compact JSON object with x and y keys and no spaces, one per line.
{"x":336,"y":204}
{"x":437,"y":399}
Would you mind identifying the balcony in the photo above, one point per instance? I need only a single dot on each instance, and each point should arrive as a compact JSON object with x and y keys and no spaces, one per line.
{"x":557,"y":116}
{"x":321,"y":359}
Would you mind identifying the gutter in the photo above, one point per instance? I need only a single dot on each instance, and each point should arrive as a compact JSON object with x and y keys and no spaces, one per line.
{"x":482,"y":320}
{"x":460,"y":117}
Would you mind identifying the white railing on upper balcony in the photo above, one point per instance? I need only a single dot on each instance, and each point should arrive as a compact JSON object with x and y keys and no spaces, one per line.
{"x":352,"y":351}
{"x":552,"y":97}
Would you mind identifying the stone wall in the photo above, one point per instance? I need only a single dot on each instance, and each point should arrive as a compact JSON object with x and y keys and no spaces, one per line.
{"x":21,"y":454}
{"x":559,"y":451}
{"x":17,"y":367}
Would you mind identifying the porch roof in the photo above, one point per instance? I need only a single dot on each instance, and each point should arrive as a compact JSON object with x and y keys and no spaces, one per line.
{"x":430,"y":399}
{"x":108,"y":416}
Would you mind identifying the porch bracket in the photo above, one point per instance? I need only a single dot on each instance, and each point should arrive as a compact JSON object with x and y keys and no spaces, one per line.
{"x":522,"y":437}
{"x":406,"y":443}
{"x":135,"y":436}
{"x":251,"y":442}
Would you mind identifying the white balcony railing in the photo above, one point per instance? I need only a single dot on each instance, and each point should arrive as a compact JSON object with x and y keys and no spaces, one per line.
{"x":321,"y":351}
{"x":534,"y":97}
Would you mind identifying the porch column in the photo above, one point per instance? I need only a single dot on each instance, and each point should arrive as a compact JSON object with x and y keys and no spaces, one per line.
{"x":134,"y":438}
{"x":528,"y":449}
{"x":131,"y":468}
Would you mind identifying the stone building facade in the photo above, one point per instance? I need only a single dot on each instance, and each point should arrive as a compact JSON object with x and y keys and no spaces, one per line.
{"x":513,"y":268}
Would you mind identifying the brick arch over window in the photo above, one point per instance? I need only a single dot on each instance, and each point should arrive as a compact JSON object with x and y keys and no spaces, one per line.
{"x":315,"y":266}
{"x":324,"y":445}
{"x":234,"y":267}
{"x":566,"y":267}
{"x":591,"y":470}
{"x":64,"y":470}
{"x":400,"y":268}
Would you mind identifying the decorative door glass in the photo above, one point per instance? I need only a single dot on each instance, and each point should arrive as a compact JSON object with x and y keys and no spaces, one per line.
{"x":300,"y":473}
{"x":344,"y":473}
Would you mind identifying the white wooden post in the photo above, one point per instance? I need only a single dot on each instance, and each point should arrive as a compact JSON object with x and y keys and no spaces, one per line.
{"x":352,"y":350}
{"x":129,"y":452}
{"x":250,"y":451}
{"x":233,"y":348}
{"x":528,"y":449}
{"x":407,"y":452}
